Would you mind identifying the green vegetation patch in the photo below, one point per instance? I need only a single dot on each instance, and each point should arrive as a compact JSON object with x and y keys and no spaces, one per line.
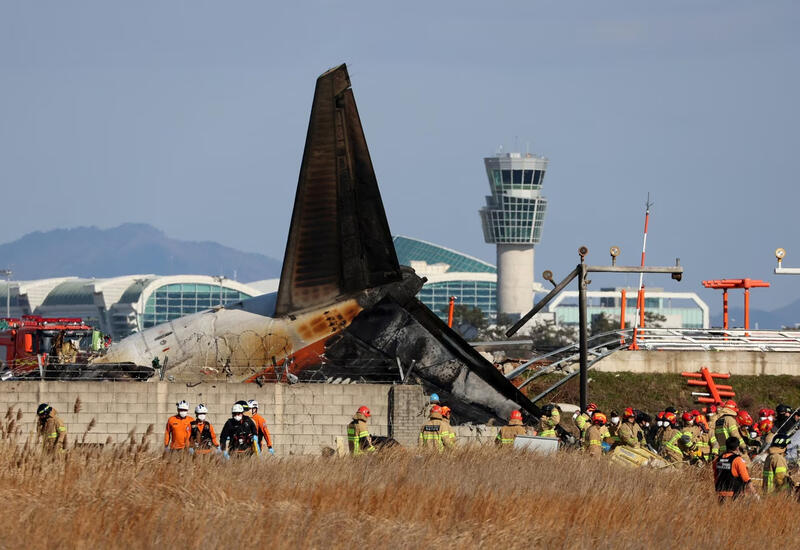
{"x":654,"y":392}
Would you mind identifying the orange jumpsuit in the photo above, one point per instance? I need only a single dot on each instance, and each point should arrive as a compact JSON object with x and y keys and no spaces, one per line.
{"x":262,"y":430}
{"x":176,"y":436}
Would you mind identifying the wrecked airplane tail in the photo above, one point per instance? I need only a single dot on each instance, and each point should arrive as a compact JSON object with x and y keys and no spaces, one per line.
{"x":339,"y":243}
{"x":339,"y":240}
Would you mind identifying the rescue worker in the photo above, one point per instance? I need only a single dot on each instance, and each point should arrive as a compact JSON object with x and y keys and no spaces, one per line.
{"x":710,"y":413}
{"x":657,"y":434}
{"x":239,"y":434}
{"x":507,"y":434}
{"x":776,"y":478}
{"x":433,"y":400}
{"x":551,"y":416}
{"x":731,"y":477}
{"x":630,"y":433}
{"x":202,"y":438}
{"x":51,"y":429}
{"x":765,"y":429}
{"x":176,"y":436}
{"x":431,"y":434}
{"x":613,"y":427}
{"x":448,"y":435}
{"x":782,"y":422}
{"x":690,"y":433}
{"x":670,"y":448}
{"x":643,"y":420}
{"x":358,"y":438}
{"x":749,"y":435}
{"x":596,"y":435}
{"x":262,"y":431}
{"x":584,"y":419}
{"x":703,"y":440}
{"x":727,"y":427}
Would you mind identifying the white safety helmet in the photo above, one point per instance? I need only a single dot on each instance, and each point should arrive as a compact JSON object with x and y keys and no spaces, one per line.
{"x":237,"y":409}
{"x":183,"y":406}
{"x":253,"y":404}
{"x":200,"y":409}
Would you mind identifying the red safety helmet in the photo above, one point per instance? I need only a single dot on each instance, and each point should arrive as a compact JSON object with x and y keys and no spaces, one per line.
{"x":730,"y":404}
{"x":516,"y":415}
{"x":687,"y":416}
{"x":711,"y":409}
{"x":628,"y":413}
{"x":765,"y":426}
{"x":695,"y":412}
{"x":744,"y":418}
{"x":436,"y":409}
{"x":365,"y":411}
{"x":670,"y":417}
{"x":701,"y":421}
{"x":445,"y":411}
{"x":763,"y":413}
{"x":599,"y":418}
{"x":591,"y":407}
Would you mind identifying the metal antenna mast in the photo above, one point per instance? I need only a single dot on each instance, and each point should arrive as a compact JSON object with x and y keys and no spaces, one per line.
{"x":640,"y":297}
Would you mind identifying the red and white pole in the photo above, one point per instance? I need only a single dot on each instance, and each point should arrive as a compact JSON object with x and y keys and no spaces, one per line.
{"x":639,"y":318}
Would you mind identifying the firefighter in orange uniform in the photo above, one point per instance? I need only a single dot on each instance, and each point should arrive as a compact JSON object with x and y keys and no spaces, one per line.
{"x":261,"y":427}
{"x":176,"y":436}
{"x":731,"y":477}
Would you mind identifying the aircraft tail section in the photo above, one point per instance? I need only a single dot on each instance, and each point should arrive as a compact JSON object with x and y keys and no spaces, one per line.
{"x":339,"y":240}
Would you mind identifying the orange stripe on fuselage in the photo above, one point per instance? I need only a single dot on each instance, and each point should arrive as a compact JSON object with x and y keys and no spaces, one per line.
{"x":308,"y":356}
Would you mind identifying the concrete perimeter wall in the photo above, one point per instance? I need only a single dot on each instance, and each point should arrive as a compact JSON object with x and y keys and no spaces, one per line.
{"x":750,"y":363}
{"x":302,"y":418}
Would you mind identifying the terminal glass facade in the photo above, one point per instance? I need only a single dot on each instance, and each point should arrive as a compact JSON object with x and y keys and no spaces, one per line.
{"x":172,"y":301}
{"x":679,"y":313}
{"x":479,"y":294}
{"x":459,"y":270}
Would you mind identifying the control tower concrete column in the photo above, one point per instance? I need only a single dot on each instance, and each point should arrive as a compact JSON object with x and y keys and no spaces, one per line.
{"x":514,"y":279}
{"x":512,"y":219}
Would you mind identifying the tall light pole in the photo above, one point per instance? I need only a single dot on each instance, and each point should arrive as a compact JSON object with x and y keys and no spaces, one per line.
{"x":219,"y":279}
{"x":7,"y":273}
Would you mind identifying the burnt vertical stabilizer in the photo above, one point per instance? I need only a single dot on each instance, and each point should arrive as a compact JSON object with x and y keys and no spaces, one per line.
{"x":339,"y":240}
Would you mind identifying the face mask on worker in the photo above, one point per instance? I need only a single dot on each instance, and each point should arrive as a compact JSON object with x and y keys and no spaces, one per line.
{"x":182,"y":414}
{"x":647,"y":424}
{"x":201,"y":417}
{"x":237,"y":417}
{"x":615,"y":420}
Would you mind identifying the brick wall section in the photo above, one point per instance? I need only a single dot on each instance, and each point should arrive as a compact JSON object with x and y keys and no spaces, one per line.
{"x":407,"y":413}
{"x":303,"y":418}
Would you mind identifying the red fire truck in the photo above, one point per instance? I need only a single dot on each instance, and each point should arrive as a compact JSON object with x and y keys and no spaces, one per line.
{"x":32,"y":344}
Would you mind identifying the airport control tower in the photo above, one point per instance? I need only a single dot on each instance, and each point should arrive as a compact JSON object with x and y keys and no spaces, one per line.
{"x":512,"y":219}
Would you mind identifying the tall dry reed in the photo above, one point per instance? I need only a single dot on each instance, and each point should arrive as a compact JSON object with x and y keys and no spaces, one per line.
{"x":121,"y":496}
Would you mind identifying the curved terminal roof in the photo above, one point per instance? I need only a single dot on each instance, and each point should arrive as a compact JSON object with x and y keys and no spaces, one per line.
{"x":71,"y":293}
{"x":416,"y":250}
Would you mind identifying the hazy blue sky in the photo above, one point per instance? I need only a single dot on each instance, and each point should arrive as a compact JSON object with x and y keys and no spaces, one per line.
{"x":192,"y":115}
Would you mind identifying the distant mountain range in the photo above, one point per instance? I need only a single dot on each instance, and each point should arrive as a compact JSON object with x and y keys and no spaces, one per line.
{"x":128,"y":249}
{"x":785,"y":316}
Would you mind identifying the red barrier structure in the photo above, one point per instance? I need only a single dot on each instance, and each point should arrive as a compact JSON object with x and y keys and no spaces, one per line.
{"x":746,"y":284}
{"x":717,"y":393}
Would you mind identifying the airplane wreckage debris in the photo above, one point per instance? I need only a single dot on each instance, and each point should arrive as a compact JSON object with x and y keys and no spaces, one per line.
{"x":344,"y":307}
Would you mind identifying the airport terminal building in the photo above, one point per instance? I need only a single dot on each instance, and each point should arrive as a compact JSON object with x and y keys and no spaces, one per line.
{"x":120,"y":306}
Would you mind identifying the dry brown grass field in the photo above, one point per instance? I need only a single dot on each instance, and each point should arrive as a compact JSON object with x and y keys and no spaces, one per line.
{"x":126,"y":496}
